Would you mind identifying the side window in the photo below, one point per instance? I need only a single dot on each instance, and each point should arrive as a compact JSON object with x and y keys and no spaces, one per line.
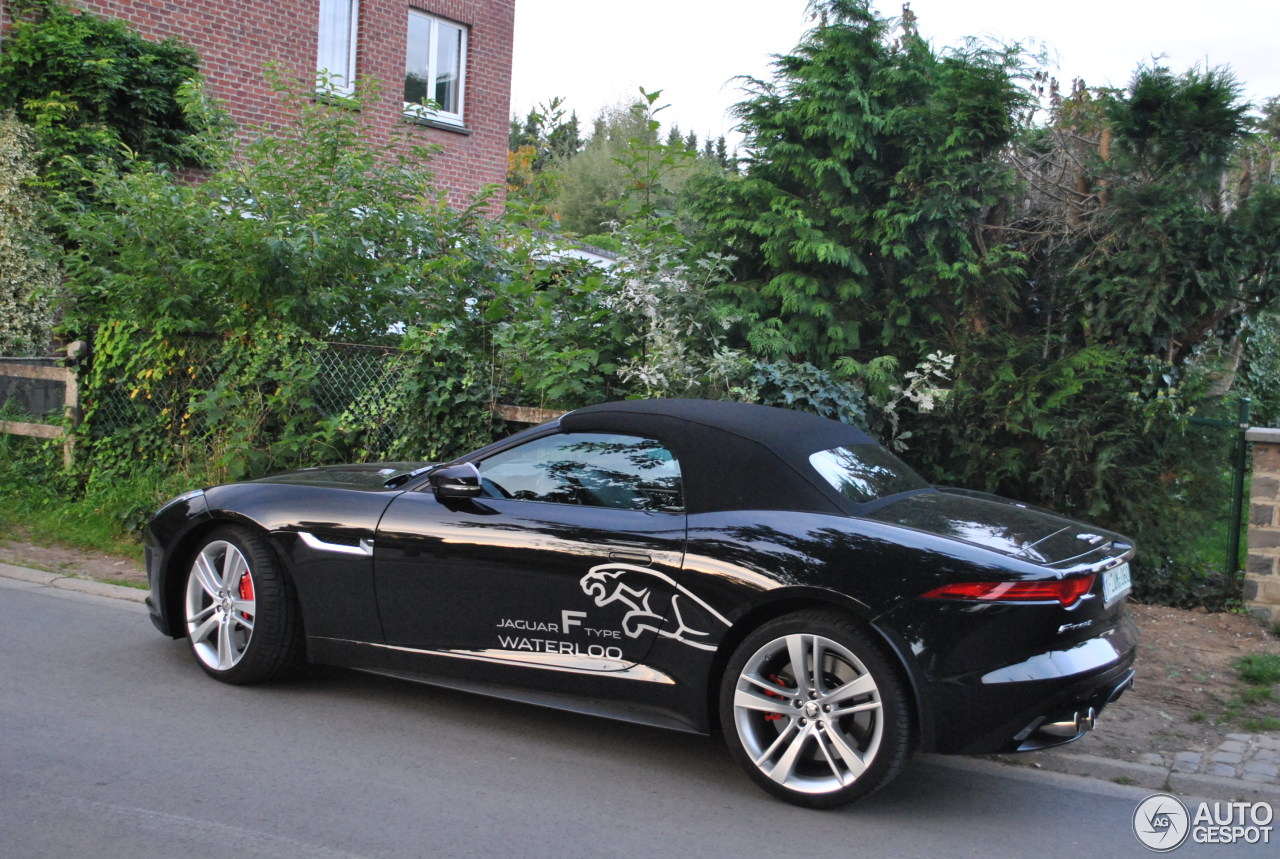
{"x":594,"y":469}
{"x":336,"y":47}
{"x":435,"y":68}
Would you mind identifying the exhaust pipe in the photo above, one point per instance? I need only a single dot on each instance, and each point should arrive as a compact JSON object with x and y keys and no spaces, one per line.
{"x":1079,"y":723}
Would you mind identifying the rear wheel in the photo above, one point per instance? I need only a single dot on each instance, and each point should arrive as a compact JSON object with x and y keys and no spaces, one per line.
{"x":242,"y":618}
{"x":813,"y":712}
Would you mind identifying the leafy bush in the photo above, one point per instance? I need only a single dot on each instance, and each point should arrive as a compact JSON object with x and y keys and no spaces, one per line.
{"x":905,"y":260}
{"x":304,"y":235}
{"x":211,"y":305}
{"x":1099,"y":435}
{"x":676,"y":332}
{"x":94,"y":89}
{"x":444,"y":398}
{"x":1260,"y":371}
{"x":28,"y":258}
{"x":311,"y":228}
{"x":546,"y":325}
{"x":806,"y":388}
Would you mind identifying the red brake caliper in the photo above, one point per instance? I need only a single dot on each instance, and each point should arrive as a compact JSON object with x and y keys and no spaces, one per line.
{"x":246,"y":591}
{"x":773,"y":717}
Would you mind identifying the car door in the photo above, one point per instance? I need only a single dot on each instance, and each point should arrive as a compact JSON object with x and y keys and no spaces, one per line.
{"x":568,"y":559}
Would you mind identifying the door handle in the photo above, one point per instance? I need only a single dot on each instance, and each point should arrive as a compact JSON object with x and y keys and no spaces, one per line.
{"x":631,"y":557}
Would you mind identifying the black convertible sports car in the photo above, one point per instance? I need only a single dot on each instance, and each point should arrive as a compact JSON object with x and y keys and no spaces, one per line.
{"x":690,"y":564}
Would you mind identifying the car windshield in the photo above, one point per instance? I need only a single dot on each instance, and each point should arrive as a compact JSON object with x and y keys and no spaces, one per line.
{"x":865,"y":472}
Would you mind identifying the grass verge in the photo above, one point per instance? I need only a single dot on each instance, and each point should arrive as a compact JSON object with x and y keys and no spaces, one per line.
{"x":42,"y":503}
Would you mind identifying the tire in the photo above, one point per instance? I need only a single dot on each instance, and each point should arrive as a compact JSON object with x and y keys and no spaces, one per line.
{"x":833,"y":737}
{"x":243,"y":622}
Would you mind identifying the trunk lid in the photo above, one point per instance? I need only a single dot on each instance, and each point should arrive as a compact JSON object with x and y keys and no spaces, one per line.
{"x":1004,"y":526}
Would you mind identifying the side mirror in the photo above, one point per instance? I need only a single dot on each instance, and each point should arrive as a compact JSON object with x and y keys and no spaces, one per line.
{"x":456,"y":481}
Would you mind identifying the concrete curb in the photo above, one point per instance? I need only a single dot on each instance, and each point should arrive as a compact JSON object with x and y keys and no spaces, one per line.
{"x":1152,"y":777}
{"x":71,"y":583}
{"x":1107,"y":769}
{"x":1216,"y":787}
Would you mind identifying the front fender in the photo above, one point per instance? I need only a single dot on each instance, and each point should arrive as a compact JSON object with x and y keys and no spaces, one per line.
{"x":164,"y":542}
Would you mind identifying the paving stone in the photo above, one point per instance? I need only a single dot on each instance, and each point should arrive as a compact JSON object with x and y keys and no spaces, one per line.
{"x":1271,"y":770}
{"x":1267,"y":757}
{"x":1186,"y":766}
{"x":1241,"y":738}
{"x":1227,"y":758}
{"x":1222,"y":770}
{"x":1188,"y":757}
{"x":1234,"y":746}
{"x":1271,"y":744}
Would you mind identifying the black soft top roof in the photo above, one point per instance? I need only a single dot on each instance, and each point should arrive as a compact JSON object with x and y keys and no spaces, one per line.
{"x":734,"y":456}
{"x":776,"y":428}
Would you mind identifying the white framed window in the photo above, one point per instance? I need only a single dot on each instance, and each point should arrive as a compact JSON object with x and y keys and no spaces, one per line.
{"x":435,"y":68}
{"x":336,"y":47}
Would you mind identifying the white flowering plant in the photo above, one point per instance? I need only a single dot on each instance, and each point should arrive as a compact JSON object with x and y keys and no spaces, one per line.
{"x":29,"y":271}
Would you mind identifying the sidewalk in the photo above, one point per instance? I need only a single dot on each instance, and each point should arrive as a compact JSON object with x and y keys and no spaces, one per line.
{"x":1245,"y":767}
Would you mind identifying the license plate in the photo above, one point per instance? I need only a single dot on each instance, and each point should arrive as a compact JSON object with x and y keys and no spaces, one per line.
{"x":1115,"y":583}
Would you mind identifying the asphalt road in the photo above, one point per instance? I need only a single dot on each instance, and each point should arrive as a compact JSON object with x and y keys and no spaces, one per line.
{"x":113,"y":743}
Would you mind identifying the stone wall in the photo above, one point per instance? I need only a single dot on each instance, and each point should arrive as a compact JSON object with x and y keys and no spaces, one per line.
{"x":1262,"y":569}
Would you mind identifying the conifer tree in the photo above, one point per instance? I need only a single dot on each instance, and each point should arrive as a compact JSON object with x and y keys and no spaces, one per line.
{"x":872,"y":165}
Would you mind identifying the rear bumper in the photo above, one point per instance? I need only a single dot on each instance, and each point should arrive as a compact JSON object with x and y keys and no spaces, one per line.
{"x":1030,"y":705}
{"x":1072,"y":724}
{"x":1010,"y":720}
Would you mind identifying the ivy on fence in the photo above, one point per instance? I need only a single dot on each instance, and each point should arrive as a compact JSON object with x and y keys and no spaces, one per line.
{"x":265,"y":400}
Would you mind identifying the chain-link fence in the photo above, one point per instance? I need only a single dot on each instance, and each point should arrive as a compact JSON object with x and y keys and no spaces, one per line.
{"x":362,"y":383}
{"x":117,"y":402}
{"x":356,"y":384}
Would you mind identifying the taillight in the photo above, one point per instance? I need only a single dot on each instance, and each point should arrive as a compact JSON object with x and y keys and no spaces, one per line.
{"x":1065,"y":591}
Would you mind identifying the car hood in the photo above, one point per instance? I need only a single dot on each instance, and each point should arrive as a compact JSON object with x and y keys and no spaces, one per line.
{"x":372,"y":476}
{"x":1002,"y":526}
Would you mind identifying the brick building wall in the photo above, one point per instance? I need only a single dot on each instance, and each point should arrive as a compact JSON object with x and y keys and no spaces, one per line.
{"x":237,"y":38}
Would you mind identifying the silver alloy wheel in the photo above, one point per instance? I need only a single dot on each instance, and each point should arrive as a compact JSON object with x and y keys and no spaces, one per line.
{"x":220,"y":605}
{"x":808,"y":713}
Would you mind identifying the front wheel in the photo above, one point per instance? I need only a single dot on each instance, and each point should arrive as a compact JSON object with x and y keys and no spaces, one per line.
{"x":813,"y":711}
{"x":242,"y":618}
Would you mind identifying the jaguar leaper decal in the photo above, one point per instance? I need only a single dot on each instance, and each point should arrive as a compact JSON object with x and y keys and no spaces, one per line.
{"x":655,"y":603}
